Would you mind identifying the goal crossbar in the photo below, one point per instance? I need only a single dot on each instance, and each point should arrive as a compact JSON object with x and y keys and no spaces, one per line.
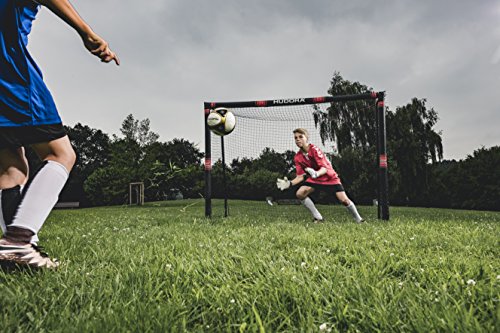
{"x":294,"y":101}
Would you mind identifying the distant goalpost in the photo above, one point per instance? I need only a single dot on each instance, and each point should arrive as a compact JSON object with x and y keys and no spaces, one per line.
{"x":136,"y":193}
{"x":271,"y":122}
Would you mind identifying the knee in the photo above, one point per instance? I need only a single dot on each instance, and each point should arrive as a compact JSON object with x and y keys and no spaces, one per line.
{"x":66,"y":157}
{"x":345,"y":201}
{"x":13,"y":168}
{"x":69,"y":159}
{"x":13,"y":176}
{"x":72,"y":157}
{"x":343,"y":198}
{"x":301,"y":195}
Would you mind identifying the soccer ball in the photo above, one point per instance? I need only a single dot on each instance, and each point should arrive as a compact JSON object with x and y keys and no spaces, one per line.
{"x":221,"y":121}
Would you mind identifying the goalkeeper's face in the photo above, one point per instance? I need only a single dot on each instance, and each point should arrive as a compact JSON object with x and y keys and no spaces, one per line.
{"x":300,"y":140}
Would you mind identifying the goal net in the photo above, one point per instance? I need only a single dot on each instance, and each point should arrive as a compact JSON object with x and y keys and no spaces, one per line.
{"x":245,"y":164}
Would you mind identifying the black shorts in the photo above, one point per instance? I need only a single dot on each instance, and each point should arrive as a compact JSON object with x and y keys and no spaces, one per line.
{"x":15,"y":137}
{"x":327,"y":188}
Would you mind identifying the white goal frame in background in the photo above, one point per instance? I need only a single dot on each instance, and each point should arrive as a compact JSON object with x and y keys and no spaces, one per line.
{"x":138,"y":189}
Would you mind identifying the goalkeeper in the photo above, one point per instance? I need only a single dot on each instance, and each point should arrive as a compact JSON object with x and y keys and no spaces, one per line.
{"x":311,"y":163}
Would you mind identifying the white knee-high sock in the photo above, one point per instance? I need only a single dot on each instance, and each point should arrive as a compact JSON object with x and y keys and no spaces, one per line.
{"x":40,"y":196}
{"x":309,"y":204}
{"x":353,"y":210}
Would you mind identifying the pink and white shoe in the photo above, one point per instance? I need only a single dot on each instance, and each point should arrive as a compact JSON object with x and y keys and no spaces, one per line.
{"x":28,"y":255}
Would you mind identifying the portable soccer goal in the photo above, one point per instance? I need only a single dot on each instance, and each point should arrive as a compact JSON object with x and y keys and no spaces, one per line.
{"x":136,"y":193}
{"x":263,"y":134}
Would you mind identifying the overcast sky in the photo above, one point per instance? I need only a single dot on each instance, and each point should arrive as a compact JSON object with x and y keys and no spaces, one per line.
{"x":176,"y":54}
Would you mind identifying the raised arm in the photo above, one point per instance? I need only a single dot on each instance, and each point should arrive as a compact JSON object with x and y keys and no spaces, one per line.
{"x":93,"y":42}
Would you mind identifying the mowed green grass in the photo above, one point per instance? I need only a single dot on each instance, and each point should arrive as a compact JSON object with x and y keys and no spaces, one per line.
{"x":164,"y":267}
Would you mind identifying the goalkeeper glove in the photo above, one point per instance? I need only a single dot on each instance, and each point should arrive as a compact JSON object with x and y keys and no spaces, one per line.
{"x":283,"y":184}
{"x":313,"y":173}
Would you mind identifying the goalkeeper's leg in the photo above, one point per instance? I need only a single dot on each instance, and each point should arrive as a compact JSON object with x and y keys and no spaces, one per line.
{"x":303,"y":195}
{"x":351,"y":207}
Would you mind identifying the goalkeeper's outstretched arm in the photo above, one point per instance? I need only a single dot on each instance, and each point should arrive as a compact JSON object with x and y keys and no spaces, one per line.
{"x":284,"y":183}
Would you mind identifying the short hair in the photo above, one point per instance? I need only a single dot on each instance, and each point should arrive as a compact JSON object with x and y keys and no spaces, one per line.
{"x":301,"y":131}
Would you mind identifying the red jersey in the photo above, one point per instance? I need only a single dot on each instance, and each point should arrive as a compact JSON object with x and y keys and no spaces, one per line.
{"x":315,"y":159}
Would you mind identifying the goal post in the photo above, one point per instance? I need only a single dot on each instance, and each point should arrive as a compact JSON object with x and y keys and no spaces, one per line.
{"x":244,"y":108}
{"x":383,"y":178}
{"x":136,"y":193}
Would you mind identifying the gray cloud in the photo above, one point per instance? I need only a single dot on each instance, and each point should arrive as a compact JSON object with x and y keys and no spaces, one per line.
{"x":177,"y":54}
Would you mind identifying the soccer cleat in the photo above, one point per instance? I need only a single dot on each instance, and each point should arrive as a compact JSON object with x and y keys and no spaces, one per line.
{"x":360,"y":221}
{"x":318,"y":221}
{"x":28,"y":255}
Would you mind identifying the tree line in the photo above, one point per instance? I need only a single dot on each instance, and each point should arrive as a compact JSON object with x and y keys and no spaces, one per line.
{"x":418,"y":175}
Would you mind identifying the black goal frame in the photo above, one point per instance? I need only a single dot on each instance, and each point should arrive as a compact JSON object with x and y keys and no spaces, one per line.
{"x":379,"y":106}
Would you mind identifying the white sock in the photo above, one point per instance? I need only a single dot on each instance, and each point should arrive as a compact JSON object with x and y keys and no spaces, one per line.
{"x":352,"y":209}
{"x":310,"y":205}
{"x":40,"y":196}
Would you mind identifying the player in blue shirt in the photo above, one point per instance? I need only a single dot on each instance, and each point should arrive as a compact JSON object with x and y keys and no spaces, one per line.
{"x":29,"y":117}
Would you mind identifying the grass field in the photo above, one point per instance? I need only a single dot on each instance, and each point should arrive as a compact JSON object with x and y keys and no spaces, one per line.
{"x":163,"y":267}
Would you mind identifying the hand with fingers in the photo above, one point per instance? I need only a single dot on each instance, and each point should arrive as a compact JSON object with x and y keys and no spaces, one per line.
{"x":313,"y":173}
{"x":100,"y":48}
{"x":283,"y":184}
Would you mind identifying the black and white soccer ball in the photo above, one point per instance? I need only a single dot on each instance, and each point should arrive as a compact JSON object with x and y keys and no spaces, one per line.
{"x":221,"y":121}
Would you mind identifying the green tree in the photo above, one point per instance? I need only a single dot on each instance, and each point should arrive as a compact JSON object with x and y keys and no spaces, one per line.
{"x":183,"y":157}
{"x":139,"y":157}
{"x":273,"y":161}
{"x":238,"y":166}
{"x":352,"y":128}
{"x":468,"y":184}
{"x":92,"y":147}
{"x":109,"y":184}
{"x":413,"y":144}
{"x":159,"y":181}
{"x":356,"y":168}
{"x":138,"y":131}
{"x":348,"y":124}
{"x":481,"y":179}
{"x":178,"y":152}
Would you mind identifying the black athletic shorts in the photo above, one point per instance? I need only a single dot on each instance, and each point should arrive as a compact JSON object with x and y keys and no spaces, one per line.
{"x":15,"y":137}
{"x":327,"y":188}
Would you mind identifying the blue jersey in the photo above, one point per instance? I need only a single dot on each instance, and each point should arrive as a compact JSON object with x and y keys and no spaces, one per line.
{"x":24,"y":97}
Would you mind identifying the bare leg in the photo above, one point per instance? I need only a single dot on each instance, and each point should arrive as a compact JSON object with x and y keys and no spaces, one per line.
{"x":59,"y":150}
{"x":13,"y":168}
{"x":351,"y":207}
{"x":303,"y":194}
